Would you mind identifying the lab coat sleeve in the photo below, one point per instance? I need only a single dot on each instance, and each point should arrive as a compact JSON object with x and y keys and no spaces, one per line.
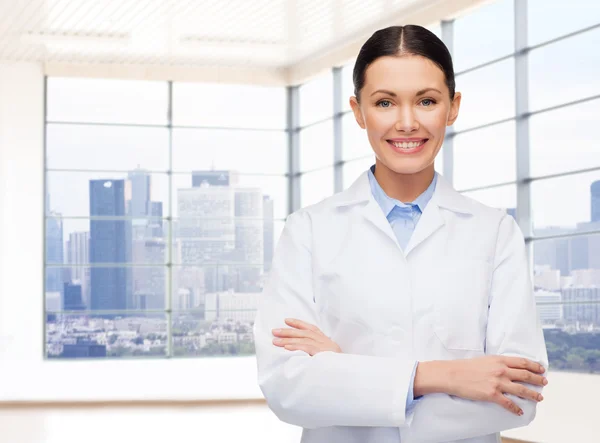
{"x":513,"y":330}
{"x":328,"y":389}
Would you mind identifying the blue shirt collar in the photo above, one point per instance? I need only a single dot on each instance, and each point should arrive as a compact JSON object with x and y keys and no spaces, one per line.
{"x":387,"y":203}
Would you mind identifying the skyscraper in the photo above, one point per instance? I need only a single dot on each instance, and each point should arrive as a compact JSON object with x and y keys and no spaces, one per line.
{"x":108,"y":244}
{"x":72,"y":300}
{"x":214,"y":178}
{"x":54,"y":253}
{"x":595,"y":191}
{"x":78,"y":256}
{"x":139,"y":205}
{"x":205,"y":231}
{"x":249,"y":239}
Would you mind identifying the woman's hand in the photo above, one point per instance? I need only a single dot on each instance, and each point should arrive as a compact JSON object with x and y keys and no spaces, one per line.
{"x":484,"y":379}
{"x":303,"y":337}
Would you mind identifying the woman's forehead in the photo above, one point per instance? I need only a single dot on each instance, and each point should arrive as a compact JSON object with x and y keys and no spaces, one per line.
{"x":404,"y":73}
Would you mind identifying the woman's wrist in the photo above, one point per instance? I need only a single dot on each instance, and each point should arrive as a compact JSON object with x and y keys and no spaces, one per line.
{"x":431,"y":378}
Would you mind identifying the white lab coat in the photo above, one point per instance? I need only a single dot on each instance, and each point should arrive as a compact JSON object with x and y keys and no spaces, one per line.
{"x":461,"y":289}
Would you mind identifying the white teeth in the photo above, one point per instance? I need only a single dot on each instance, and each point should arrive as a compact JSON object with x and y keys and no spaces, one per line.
{"x":408,"y":145}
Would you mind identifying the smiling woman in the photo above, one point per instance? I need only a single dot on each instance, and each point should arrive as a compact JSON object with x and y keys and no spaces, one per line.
{"x":399,"y":309}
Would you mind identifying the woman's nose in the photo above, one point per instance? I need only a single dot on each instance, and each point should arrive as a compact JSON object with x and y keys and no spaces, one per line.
{"x":406,"y":121}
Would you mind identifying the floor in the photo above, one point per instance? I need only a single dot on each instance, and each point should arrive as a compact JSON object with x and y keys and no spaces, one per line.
{"x":167,"y":423}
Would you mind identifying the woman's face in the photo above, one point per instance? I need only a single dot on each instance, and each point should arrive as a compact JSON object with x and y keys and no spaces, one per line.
{"x":405,"y":107}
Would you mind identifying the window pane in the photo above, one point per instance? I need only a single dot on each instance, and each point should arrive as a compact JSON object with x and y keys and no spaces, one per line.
{"x":503,"y":197}
{"x":574,"y":62}
{"x":316,"y":99}
{"x":353,"y":169}
{"x":81,"y":241}
{"x":573,"y":347}
{"x":355,"y":142}
{"x":483,"y":35}
{"x":548,"y":19}
{"x":229,"y":106}
{"x":120,"y":335}
{"x":105,"y":288}
{"x":107,"y":101}
{"x":564,"y":204}
{"x":316,"y":146}
{"x":316,"y":186}
{"x":347,"y":85}
{"x":567,"y":261}
{"x":257,"y":152}
{"x":485,"y":157}
{"x":216,"y":194}
{"x":107,"y":147}
{"x":136,"y":193}
{"x":215,"y":332}
{"x":571,"y":148}
{"x":481,"y":103}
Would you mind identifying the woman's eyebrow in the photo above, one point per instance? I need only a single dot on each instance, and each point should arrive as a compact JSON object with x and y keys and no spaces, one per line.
{"x":393,"y":94}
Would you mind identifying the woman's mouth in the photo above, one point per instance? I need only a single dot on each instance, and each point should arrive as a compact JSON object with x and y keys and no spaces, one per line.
{"x":410,"y":146}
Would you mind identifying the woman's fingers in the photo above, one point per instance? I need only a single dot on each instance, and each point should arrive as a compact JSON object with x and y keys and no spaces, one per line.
{"x":521,"y":391}
{"x":526,"y":377}
{"x":296,"y":333}
{"x":507,"y":404}
{"x":523,"y":363}
{"x":299,"y":324}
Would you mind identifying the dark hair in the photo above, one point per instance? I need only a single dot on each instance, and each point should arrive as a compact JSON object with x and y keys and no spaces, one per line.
{"x":403,"y":40}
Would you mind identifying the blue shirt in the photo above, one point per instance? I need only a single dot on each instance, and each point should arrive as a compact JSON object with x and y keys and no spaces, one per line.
{"x":403,"y":217}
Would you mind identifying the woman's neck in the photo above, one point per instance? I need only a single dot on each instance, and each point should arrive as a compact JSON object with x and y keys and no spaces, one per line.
{"x":403,"y":187}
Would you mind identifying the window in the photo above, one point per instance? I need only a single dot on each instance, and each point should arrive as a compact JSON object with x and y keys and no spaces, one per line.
{"x":484,"y":35}
{"x":485,"y":157}
{"x":316,"y":99}
{"x":159,"y":233}
{"x":566,"y":203}
{"x":488,"y":95}
{"x":574,"y":61}
{"x":561,"y":140}
{"x":316,"y":186}
{"x":548,"y":19}
{"x":502,"y":197}
{"x":316,"y":146}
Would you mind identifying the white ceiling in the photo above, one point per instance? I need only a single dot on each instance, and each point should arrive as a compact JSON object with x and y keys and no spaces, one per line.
{"x":283,"y":38}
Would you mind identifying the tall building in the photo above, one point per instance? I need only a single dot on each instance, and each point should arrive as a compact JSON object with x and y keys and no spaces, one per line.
{"x":214,"y":178}
{"x":581,"y":312}
{"x":548,"y":306}
{"x":73,"y":300}
{"x":54,"y":253}
{"x":110,"y":286}
{"x":269,"y":232}
{"x":249,"y":240}
{"x":206,"y":232}
{"x":78,"y":256}
{"x":595,"y":191}
{"x":139,"y":205}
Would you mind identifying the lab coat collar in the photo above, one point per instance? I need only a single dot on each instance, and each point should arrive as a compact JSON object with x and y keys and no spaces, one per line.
{"x":444,"y":196}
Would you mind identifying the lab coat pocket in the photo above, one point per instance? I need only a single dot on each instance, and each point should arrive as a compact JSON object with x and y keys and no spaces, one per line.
{"x":461,"y":305}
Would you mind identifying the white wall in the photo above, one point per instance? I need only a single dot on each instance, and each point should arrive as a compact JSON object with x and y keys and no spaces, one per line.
{"x":570,"y":404}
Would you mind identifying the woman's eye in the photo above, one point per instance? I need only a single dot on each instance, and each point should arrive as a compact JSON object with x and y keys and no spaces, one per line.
{"x":427,"y":102}
{"x":384,"y":103}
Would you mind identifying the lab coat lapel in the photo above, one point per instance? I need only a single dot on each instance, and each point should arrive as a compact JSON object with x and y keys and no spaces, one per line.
{"x":374,"y":215}
{"x":444,"y":197}
{"x":431,"y":220}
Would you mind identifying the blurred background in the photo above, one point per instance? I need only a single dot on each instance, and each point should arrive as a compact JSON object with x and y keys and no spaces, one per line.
{"x":150,"y":151}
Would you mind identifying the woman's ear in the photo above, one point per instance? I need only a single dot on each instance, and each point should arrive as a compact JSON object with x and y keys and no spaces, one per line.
{"x":357,"y":112}
{"x":454,"y":108}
